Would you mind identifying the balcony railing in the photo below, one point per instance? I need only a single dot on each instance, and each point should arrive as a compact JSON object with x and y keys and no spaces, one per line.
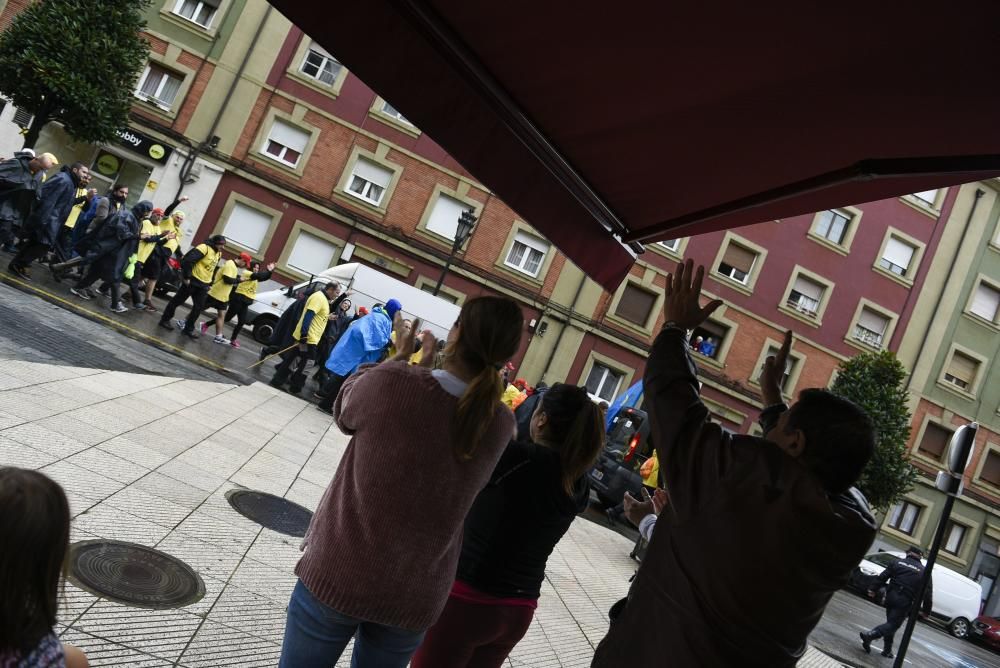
{"x":867,"y":336}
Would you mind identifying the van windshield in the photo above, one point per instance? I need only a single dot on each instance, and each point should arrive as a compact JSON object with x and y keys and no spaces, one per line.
{"x":882,"y":558}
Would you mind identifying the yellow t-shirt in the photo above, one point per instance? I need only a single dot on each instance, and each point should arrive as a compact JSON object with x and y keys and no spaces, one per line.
{"x":320,"y":305}
{"x":168,"y":224}
{"x":146,"y":247}
{"x":77,"y":209}
{"x":220,"y":289}
{"x":246,"y":287}
{"x":204,"y":269}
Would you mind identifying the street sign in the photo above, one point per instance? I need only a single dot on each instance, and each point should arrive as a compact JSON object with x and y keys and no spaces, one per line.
{"x":145,"y":145}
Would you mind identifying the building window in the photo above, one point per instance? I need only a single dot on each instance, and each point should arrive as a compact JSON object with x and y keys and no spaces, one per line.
{"x":635,"y":304}
{"x":247,"y":226}
{"x":671,"y":244}
{"x":737,"y":263}
{"x":311,"y":254}
{"x":934,"y":441}
{"x":390,"y":110}
{"x":285,"y":143}
{"x":871,"y":327}
{"x":805,"y":296}
{"x":832,"y":225}
{"x":986,"y":302}
{"x":707,"y":339}
{"x":961,"y":371}
{"x":955,"y":536}
{"x":429,"y":288}
{"x":159,"y":86}
{"x":604,"y":382}
{"x":318,"y":64}
{"x":369,"y":181}
{"x":197,"y":11}
{"x":790,"y":364}
{"x":444,"y":216}
{"x":928,"y":197}
{"x":903,"y":517}
{"x":991,"y":468}
{"x":22,"y":118}
{"x":526,"y":254}
{"x":897,"y":256}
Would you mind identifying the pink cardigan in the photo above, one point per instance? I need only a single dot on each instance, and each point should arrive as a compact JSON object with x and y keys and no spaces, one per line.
{"x":384,"y":543}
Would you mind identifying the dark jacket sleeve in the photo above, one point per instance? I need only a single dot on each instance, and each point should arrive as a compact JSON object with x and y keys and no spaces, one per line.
{"x":170,"y":209}
{"x":260,"y":275}
{"x":336,"y":302}
{"x":890,"y":571}
{"x":190,"y":259}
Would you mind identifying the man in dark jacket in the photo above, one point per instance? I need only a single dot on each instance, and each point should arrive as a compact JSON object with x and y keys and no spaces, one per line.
{"x":55,"y":199}
{"x":19,"y":181}
{"x":904,"y":583}
{"x":744,"y":513}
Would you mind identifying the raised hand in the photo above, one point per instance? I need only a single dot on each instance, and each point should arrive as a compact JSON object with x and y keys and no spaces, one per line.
{"x":682,"y":304}
{"x":774,"y":371}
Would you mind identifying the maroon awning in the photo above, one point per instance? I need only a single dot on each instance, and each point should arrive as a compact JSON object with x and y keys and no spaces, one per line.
{"x":653,"y":120}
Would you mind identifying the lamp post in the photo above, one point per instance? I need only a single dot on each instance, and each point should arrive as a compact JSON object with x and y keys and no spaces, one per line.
{"x":464,"y":230}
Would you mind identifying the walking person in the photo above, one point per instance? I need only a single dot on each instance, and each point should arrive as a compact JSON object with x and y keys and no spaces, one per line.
{"x":744,"y":512}
{"x":226,"y":279}
{"x":307,"y":334}
{"x":378,"y":568}
{"x":41,"y":229}
{"x":19,"y":182}
{"x":243,"y":295}
{"x":903,"y":578}
{"x":536,"y":491}
{"x":151,"y":240}
{"x":116,"y":241}
{"x":170,"y":224}
{"x":35,"y":529}
{"x":340,"y":319}
{"x":198,"y":270}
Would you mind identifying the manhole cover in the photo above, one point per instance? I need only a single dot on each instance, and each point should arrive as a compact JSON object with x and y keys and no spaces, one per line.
{"x":133,"y":574}
{"x":271,"y":511}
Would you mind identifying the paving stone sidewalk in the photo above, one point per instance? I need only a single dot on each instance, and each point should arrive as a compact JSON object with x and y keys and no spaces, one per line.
{"x":148,"y":459}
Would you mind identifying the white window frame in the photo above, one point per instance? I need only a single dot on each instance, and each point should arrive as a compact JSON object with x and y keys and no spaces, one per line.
{"x":280,"y":157}
{"x":883,"y":261}
{"x":950,"y":533}
{"x":154,"y":99}
{"x":366,"y":189}
{"x":394,"y":113}
{"x":863,"y":334}
{"x":896,"y":519}
{"x":672,"y":248}
{"x":531,"y":243}
{"x":607,"y":373}
{"x":200,"y":4}
{"x":326,"y":58}
{"x":983,"y":282}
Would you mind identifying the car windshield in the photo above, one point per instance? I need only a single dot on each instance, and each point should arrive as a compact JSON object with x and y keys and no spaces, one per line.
{"x":882,"y":558}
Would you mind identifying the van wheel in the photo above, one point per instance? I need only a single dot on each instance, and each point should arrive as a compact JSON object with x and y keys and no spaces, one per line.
{"x":959,"y":627}
{"x":263,"y":328}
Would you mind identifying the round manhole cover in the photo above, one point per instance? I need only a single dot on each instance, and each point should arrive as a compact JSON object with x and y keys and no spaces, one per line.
{"x":271,"y":511}
{"x":133,"y":574}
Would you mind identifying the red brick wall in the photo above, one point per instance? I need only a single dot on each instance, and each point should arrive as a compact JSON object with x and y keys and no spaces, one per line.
{"x":12,"y":9}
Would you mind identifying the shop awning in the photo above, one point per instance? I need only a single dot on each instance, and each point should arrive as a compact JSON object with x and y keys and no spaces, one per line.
{"x":652,"y":120}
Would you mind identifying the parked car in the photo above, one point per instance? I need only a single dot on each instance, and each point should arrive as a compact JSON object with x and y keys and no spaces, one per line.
{"x":986,"y":630}
{"x":956,"y":598}
{"x":626,"y":448}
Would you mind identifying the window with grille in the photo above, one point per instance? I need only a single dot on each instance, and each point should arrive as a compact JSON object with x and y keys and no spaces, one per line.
{"x":903,"y":517}
{"x":526,"y":254}
{"x":871,"y":327}
{"x":961,"y":370}
{"x":159,"y":86}
{"x":369,"y":181}
{"x":955,"y":536}
{"x":934,"y":441}
{"x":320,"y":65}
{"x":991,"y":468}
{"x":635,"y":305}
{"x":805,"y":296}
{"x":197,"y":11}
{"x":390,"y":110}
{"x":737,"y":263}
{"x":897,"y":256}
{"x":986,"y":302}
{"x":285,"y":143}
{"x":832,"y":225}
{"x":604,"y":381}
{"x":22,"y":118}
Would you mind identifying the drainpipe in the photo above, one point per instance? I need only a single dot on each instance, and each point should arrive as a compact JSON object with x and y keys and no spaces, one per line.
{"x":951,"y":271}
{"x":569,"y":319}
{"x":193,"y":155}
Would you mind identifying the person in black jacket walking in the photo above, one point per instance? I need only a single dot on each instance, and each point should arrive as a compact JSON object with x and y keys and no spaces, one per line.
{"x":19,"y":182}
{"x":904,"y":582}
{"x":537,"y":488}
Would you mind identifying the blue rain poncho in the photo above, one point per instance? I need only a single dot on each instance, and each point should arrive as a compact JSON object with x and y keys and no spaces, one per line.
{"x":363,"y":342}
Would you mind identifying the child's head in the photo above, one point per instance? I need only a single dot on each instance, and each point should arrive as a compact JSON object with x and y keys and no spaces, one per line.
{"x":34,"y":538}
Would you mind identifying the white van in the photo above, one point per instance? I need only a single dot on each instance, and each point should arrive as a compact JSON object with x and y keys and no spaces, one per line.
{"x":956,"y":599}
{"x":367,"y":287}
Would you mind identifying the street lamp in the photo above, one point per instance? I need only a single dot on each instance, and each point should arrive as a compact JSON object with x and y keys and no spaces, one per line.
{"x":464,"y":230}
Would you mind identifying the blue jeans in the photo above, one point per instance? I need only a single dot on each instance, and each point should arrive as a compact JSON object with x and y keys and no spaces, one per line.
{"x":316,"y":635}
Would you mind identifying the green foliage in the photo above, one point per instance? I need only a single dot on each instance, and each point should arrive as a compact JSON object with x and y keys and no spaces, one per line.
{"x":75,"y":61}
{"x":875,"y":382}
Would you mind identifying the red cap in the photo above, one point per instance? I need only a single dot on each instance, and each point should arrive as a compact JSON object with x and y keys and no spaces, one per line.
{"x":362,"y":310}
{"x":247,"y":260}
{"x":158,"y":211}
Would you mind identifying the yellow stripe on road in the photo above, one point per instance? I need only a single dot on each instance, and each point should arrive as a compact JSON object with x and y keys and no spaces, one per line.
{"x":73,"y":306}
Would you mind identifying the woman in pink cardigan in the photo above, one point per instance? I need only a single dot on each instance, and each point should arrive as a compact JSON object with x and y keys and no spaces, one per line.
{"x":383,"y":546}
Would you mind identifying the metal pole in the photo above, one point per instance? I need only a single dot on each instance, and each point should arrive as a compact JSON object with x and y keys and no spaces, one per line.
{"x":444,"y":272}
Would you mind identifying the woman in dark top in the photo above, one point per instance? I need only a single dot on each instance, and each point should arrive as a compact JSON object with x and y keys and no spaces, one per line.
{"x":537,"y":489}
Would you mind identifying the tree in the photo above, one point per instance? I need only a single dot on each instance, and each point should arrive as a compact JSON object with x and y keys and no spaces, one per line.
{"x":76,"y":62}
{"x":874,"y":381}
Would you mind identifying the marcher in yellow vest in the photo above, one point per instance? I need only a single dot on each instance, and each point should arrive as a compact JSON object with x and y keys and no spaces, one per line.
{"x":243,"y":295}
{"x":308,"y":332}
{"x":169,"y":224}
{"x":198,"y":271}
{"x":226,"y":279}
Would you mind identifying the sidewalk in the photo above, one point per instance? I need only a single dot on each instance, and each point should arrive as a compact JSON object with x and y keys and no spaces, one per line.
{"x":148,"y":459}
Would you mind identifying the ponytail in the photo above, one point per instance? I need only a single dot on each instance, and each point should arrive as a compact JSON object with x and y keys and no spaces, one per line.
{"x":489,"y":334}
{"x":575,"y":428}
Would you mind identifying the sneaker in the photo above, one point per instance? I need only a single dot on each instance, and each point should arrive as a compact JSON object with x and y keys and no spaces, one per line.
{"x":887,"y":653}
{"x":219,"y":338}
{"x":56,"y":274}
{"x":203,"y":326}
{"x":81,"y":293}
{"x":139,"y":307}
{"x":866,"y":642}
{"x":181,"y":324}
{"x":119,"y":308}
{"x":19,"y":271}
{"x":234,"y":344}
{"x":165,"y":324}
{"x":150,"y":308}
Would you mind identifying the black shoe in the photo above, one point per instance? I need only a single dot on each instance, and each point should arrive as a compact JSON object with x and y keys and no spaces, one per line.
{"x":866,"y":642}
{"x":19,"y":271}
{"x":165,"y":324}
{"x":612,"y":520}
{"x":56,"y":274}
{"x":328,"y":411}
{"x":887,"y":653}
{"x":190,"y":335}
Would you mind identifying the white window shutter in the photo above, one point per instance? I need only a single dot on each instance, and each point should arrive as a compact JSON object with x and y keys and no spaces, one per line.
{"x":808,"y":288}
{"x":372,"y":172}
{"x":986,"y":302}
{"x":873,"y":321}
{"x":445,"y":214}
{"x":288,"y":135}
{"x":311,"y":254}
{"x":898,"y":253}
{"x":247,"y":226}
{"x":532,"y":242}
